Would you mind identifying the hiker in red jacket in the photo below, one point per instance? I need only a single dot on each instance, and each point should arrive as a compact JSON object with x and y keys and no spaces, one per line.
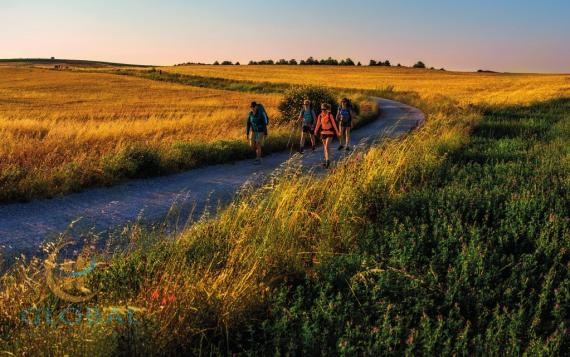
{"x":326,"y":127}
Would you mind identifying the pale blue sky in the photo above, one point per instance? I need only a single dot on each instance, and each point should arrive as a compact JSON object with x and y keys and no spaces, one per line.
{"x":504,"y":35}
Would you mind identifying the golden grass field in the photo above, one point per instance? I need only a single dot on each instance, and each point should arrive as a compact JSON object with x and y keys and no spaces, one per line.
{"x":222,"y":271}
{"x":51,"y":119}
{"x":462,"y":87}
{"x":58,"y":127}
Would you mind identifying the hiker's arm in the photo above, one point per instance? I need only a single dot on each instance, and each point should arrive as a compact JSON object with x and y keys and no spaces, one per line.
{"x":248,"y":127}
{"x":335,"y":127}
{"x":318,"y":126}
{"x":265,"y":118}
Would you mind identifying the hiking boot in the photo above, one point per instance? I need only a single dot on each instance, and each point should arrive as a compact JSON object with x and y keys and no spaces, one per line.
{"x":341,"y":147}
{"x":327,"y":164}
{"x":347,"y":148}
{"x":257,"y":162}
{"x":301,"y":151}
{"x":313,"y":148}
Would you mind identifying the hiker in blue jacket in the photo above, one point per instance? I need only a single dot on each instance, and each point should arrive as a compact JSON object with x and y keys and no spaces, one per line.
{"x":344,"y":117}
{"x":257,"y":122}
{"x":309,"y":119}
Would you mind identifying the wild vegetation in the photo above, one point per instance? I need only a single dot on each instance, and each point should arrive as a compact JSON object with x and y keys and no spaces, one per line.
{"x":454,"y":240}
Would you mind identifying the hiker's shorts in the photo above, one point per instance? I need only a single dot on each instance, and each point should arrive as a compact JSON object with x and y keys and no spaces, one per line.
{"x":258,"y":138}
{"x":308,"y":129}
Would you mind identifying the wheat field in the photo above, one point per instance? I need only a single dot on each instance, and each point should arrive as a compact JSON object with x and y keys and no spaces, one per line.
{"x":461,"y":87}
{"x":54,"y":122}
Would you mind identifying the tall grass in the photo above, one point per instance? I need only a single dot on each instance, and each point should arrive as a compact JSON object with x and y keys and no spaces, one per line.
{"x":65,"y":131}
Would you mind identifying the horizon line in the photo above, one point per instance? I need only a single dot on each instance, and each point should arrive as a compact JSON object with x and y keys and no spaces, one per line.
{"x":189,"y":63}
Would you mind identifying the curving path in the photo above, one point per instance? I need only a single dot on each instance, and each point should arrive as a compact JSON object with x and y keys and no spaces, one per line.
{"x":23,"y":226}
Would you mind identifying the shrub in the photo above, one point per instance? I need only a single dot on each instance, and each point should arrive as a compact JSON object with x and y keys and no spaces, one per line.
{"x":420,"y":64}
{"x":134,"y":162}
{"x":294,"y":97}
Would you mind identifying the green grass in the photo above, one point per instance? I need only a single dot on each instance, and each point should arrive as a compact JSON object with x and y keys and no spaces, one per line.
{"x":473,"y":259}
{"x":206,"y":82}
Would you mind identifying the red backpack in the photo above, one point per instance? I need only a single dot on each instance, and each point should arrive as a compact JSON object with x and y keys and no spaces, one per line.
{"x":326,"y":124}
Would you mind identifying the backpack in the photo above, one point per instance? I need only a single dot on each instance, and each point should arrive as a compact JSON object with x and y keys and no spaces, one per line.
{"x":329,"y":125}
{"x":257,"y":122}
{"x":313,"y":115}
{"x":345,"y":115}
{"x":261,"y":109}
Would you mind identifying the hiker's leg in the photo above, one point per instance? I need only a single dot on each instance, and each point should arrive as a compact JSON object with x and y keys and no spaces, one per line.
{"x":326,"y":148}
{"x":302,"y":144}
{"x":258,"y":151}
{"x":347,"y":136}
{"x":313,"y":139}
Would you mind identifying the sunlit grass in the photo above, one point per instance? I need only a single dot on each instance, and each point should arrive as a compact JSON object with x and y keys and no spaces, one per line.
{"x":55,"y":123}
{"x":464,"y":88}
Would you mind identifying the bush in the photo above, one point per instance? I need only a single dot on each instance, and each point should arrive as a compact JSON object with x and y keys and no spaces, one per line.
{"x":134,"y":162}
{"x":294,"y":97}
{"x":420,"y":64}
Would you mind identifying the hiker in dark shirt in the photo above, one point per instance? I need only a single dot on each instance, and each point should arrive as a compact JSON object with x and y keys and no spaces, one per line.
{"x":257,"y":122}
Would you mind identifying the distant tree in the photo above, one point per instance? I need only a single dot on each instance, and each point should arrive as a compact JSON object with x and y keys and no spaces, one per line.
{"x":420,"y":64}
{"x":387,"y":63}
{"x":348,"y":62}
{"x":432,"y":68}
{"x":302,"y":63}
{"x":311,"y":61}
{"x":442,"y":69}
{"x":293,"y":62}
{"x":52,"y":58}
{"x":227,"y":63}
{"x":282,"y":62}
{"x":359,"y":64}
{"x":216,"y":63}
{"x":399,"y":65}
{"x":238,"y":64}
{"x":373,"y":63}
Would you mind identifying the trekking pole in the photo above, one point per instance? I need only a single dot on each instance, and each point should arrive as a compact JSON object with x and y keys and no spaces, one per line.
{"x":289,"y":143}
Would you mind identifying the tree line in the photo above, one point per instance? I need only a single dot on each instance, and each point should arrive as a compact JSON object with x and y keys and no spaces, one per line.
{"x":311,"y":61}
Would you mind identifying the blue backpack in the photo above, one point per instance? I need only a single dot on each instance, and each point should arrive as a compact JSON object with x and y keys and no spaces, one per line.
{"x":258,"y":121}
{"x":345,"y":115}
{"x":261,"y":109}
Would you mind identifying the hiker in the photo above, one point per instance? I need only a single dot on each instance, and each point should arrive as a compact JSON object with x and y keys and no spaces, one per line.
{"x":344,"y":117}
{"x":257,"y":122}
{"x":309,"y":119}
{"x":326,"y":127}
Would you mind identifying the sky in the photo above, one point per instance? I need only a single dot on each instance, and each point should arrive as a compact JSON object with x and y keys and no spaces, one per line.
{"x":502,"y":35}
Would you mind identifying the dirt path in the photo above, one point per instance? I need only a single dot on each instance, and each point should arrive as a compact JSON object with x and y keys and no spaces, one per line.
{"x":24,"y":226}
